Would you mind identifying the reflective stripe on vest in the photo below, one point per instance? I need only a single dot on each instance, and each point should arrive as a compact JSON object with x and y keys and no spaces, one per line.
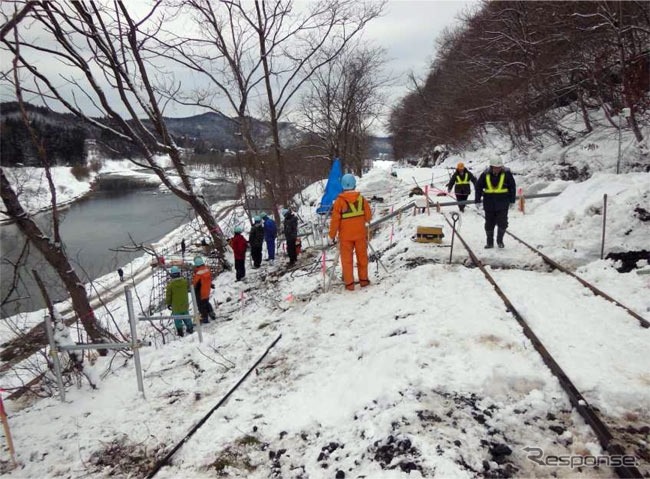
{"x":354,"y":209}
{"x":462,"y":181}
{"x":499,"y":188}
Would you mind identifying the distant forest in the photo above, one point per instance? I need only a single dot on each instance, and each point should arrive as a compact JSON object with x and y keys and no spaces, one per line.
{"x":62,"y":139}
{"x":63,"y":136}
{"x":516,"y":65}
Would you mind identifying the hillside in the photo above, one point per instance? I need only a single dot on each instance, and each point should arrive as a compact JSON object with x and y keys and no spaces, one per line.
{"x":424,"y":373}
{"x":64,"y":135}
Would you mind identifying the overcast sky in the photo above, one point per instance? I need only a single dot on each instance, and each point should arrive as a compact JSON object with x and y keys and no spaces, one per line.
{"x":407,"y":31}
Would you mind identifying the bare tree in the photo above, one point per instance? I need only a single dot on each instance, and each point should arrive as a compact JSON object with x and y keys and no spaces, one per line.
{"x":344,"y":100}
{"x":266,"y":49}
{"x":625,"y":27}
{"x":98,"y":45}
{"x":50,"y":246}
{"x":15,"y":19}
{"x":520,"y":66}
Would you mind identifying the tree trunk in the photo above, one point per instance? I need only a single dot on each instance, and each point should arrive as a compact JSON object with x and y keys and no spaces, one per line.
{"x":203,"y":211}
{"x":635,"y":126}
{"x":583,"y":109}
{"x":279,"y":161}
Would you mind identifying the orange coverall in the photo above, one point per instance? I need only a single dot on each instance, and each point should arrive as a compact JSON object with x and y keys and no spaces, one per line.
{"x":350,"y":213}
{"x":202,"y":283}
{"x":202,"y":275}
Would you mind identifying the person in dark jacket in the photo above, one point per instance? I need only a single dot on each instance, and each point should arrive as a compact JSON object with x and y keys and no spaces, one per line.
{"x":256,"y":240}
{"x":177,"y":301}
{"x":497,"y":187}
{"x":461,"y":178}
{"x":239,"y":245}
{"x":291,"y":234}
{"x":270,"y":233}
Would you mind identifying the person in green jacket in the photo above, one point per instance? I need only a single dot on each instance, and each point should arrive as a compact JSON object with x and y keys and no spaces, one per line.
{"x":176,"y":300}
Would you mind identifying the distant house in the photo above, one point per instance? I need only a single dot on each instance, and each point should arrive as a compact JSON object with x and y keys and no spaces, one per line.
{"x":91,"y":150}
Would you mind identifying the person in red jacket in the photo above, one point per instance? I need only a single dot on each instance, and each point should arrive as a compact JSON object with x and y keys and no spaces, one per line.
{"x":350,"y":213}
{"x":202,"y":283}
{"x":239,"y":245}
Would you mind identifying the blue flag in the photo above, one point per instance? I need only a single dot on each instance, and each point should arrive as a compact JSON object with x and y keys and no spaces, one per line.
{"x":332,"y":189}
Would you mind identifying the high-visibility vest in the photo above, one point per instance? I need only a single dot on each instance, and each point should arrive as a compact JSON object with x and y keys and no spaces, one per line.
{"x":462,"y":181}
{"x":354,"y":209}
{"x":499,"y":188}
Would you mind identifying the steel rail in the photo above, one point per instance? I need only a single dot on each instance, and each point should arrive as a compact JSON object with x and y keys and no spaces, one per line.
{"x":602,"y":432}
{"x":598,"y":292}
{"x":165,"y":460}
{"x":436,"y":204}
{"x":551,"y":262}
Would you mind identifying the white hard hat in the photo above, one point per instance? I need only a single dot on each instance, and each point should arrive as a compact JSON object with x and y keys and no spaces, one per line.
{"x":496,"y":161}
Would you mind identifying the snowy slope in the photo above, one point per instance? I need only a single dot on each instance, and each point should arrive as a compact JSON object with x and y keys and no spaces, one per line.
{"x":422,"y":374}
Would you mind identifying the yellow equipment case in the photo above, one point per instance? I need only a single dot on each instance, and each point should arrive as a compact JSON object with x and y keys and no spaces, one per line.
{"x":429,"y":234}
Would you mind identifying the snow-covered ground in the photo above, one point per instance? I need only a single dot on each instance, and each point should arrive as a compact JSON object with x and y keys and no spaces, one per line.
{"x":424,"y":373}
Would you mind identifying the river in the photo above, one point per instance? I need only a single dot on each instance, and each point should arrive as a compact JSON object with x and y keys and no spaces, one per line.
{"x":90,"y":228}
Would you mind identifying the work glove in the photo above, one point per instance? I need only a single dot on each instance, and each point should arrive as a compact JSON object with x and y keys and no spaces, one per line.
{"x":169,"y":307}
{"x":331,"y":241}
{"x":212,"y":286}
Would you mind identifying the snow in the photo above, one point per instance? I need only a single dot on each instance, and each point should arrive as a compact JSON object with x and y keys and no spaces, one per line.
{"x":423,"y":370}
{"x":31,"y":185}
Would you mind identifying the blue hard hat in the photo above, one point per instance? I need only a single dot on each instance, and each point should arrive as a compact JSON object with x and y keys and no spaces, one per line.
{"x":256,"y":219}
{"x":348,"y":182}
{"x":284,"y":211}
{"x":238,"y":229}
{"x":175,"y":271}
{"x":263,"y":215}
{"x":198,"y":261}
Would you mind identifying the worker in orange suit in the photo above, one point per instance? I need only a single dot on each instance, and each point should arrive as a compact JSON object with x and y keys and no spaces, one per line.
{"x":350,"y":214}
{"x":202,"y":282}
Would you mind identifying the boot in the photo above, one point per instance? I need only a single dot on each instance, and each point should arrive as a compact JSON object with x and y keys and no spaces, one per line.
{"x":190,"y":330}
{"x":500,"y":234}
{"x":490,"y":241}
{"x":179,"y":332}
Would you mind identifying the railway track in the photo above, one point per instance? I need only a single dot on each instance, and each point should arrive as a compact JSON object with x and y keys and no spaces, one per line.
{"x":553,"y":321}
{"x":166,"y":459}
{"x":609,"y":439}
